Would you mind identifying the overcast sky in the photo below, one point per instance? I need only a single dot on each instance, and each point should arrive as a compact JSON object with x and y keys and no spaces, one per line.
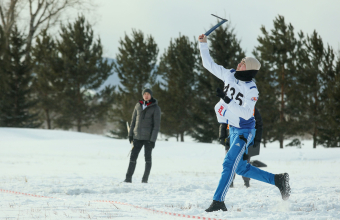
{"x":166,"y":19}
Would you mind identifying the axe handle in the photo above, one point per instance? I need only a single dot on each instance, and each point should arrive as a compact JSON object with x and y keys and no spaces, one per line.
{"x":213,"y":28}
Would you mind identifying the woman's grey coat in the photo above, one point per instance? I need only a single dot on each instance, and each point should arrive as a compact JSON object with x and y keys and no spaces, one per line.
{"x":146,"y":123}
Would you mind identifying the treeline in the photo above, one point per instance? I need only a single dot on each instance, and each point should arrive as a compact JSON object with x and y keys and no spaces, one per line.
{"x":298,"y":82}
{"x":56,"y":81}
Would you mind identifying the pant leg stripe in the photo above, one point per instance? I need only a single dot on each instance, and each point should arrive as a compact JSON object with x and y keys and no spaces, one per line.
{"x":231,"y":176}
{"x":234,"y":168}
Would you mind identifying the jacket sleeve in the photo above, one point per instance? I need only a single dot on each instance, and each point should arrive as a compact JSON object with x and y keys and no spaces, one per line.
{"x":246,"y":110}
{"x":258,"y":126}
{"x":218,"y":70}
{"x":156,"y":124}
{"x":133,"y":122}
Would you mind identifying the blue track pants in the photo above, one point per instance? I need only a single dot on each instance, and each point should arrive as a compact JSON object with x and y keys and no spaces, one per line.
{"x":233,"y":162}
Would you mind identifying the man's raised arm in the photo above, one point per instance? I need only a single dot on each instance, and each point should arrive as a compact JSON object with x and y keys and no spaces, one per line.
{"x":208,"y":63}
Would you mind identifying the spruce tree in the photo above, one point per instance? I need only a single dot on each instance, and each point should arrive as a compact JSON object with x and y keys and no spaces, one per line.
{"x":329,"y":129}
{"x":314,"y":83}
{"x":178,"y":68}
{"x":83,"y":71}
{"x":16,"y":101}
{"x":3,"y":76}
{"x":225,"y":49}
{"x":46,"y":78}
{"x":135,"y":65}
{"x":267,"y":102}
{"x":278,"y":50}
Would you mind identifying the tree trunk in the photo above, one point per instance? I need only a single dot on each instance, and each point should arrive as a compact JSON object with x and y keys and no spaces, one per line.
{"x":79,"y":125}
{"x":29,"y":45}
{"x":282,"y":106}
{"x":182,"y":137}
{"x":281,"y":141}
{"x":48,"y":119}
{"x":315,"y":132}
{"x":315,"y":135}
{"x":264,"y":141}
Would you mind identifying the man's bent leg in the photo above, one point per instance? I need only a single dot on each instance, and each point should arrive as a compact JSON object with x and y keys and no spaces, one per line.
{"x":230,"y":163}
{"x":247,"y":171}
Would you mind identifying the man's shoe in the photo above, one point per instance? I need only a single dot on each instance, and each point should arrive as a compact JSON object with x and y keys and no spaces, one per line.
{"x":282,"y":182}
{"x":246,"y":183}
{"x":216,"y":205}
{"x":127,"y":181}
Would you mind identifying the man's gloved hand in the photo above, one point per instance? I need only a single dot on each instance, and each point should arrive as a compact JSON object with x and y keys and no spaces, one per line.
{"x":220,"y":93}
{"x":130,"y":139}
{"x":152,"y":144}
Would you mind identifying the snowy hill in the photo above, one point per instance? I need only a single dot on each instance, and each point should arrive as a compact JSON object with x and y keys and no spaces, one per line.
{"x":77,"y":169}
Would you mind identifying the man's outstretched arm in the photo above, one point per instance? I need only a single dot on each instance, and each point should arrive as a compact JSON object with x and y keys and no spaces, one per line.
{"x":208,"y":63}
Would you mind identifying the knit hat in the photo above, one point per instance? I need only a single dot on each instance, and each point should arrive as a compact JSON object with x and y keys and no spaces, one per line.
{"x":252,"y":67}
{"x":252,"y":63}
{"x":147,"y":90}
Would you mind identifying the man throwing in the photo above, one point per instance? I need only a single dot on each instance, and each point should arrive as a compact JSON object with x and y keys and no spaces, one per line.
{"x":236,"y":108}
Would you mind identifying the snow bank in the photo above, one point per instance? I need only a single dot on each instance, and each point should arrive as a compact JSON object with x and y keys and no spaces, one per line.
{"x":79,"y":168}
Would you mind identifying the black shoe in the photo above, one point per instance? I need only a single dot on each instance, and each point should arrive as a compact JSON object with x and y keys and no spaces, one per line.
{"x":127,"y":181}
{"x":282,"y":182}
{"x":231,"y":185}
{"x":246,"y":183}
{"x":215,"y":206}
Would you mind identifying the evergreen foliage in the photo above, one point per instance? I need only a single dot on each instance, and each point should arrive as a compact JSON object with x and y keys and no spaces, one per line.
{"x":135,"y":65}
{"x":225,"y":49}
{"x":267,"y":103}
{"x":47,"y":83}
{"x":178,"y":68}
{"x":3,"y":76}
{"x":329,"y":129}
{"x":278,"y":50}
{"x":83,"y":71}
{"x":16,"y":101}
{"x":315,"y":75}
{"x":299,"y":82}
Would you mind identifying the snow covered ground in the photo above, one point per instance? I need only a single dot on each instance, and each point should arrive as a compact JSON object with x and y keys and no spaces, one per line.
{"x":76,"y":169}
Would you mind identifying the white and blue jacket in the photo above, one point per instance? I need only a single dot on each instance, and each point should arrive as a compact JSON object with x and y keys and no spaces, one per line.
{"x":240,"y":111}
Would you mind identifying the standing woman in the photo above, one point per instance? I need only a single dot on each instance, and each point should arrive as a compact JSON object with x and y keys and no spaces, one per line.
{"x":144,"y":128}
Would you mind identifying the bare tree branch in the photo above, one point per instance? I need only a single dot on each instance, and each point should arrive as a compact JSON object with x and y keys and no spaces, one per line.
{"x":9,"y":15}
{"x":47,"y":12}
{"x":41,"y":13}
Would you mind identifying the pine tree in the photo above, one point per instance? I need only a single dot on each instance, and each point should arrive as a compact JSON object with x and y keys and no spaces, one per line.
{"x":3,"y":76}
{"x":329,"y":129}
{"x":178,"y":68}
{"x":267,"y":102}
{"x":225,"y":49}
{"x":16,"y":101}
{"x":278,"y":50}
{"x":46,"y":78}
{"x":314,"y":83}
{"x":83,"y":72}
{"x":135,"y":65}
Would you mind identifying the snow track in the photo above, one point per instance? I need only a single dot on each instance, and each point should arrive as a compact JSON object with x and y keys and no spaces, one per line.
{"x":115,"y":204}
{"x":76,"y":172}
